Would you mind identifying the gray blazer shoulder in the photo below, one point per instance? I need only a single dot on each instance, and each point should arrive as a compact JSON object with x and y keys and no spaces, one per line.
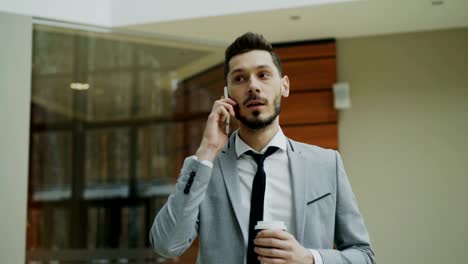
{"x":313,"y":151}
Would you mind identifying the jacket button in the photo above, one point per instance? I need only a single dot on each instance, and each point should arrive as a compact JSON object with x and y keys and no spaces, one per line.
{"x":192,"y":174}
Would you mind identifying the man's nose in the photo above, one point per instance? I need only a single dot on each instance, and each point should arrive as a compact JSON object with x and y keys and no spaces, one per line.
{"x":254,"y":85}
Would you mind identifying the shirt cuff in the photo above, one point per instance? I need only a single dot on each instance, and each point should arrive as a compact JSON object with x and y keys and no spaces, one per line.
{"x":317,"y":256}
{"x":204,"y":162}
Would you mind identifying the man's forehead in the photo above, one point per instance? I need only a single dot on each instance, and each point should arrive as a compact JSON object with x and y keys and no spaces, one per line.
{"x":251,"y":59}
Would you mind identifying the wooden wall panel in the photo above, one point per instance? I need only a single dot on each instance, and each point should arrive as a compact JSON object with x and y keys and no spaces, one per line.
{"x":179,"y":103}
{"x":178,"y":161}
{"x":194,"y":132}
{"x":324,"y":136}
{"x":215,"y":73}
{"x":179,"y":137}
{"x":306,"y":50}
{"x":200,"y":92}
{"x":212,"y":92}
{"x":198,"y":100}
{"x":180,"y":149}
{"x":310,"y":74}
{"x":308,"y":108}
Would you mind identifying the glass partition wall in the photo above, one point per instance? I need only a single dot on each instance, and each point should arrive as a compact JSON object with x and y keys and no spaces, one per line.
{"x":103,"y":141}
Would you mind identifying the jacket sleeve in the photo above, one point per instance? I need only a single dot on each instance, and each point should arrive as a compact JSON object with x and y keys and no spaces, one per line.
{"x":176,"y":224}
{"x":351,"y":236}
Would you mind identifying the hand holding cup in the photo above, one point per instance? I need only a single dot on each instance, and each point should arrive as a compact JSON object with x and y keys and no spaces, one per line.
{"x":274,"y":244}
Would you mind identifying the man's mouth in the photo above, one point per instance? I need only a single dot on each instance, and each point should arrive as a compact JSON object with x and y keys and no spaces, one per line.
{"x":255,"y":104}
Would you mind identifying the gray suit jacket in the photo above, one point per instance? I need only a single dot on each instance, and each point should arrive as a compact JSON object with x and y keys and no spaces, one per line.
{"x":206,"y":202}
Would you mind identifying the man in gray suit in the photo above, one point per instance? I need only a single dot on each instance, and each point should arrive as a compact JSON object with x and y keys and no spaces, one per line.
{"x":259,"y":174}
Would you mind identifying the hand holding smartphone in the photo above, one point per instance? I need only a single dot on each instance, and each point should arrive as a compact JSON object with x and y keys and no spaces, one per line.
{"x":226,"y":95}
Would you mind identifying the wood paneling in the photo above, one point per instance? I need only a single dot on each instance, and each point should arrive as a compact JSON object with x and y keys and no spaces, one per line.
{"x":310,"y":74}
{"x":179,"y":157}
{"x":308,"y":108}
{"x":179,"y":130}
{"x":324,"y":136}
{"x":179,"y":102}
{"x":180,"y":150}
{"x":200,"y":92}
{"x":306,"y":51}
{"x":194,"y":132}
{"x":215,"y":73}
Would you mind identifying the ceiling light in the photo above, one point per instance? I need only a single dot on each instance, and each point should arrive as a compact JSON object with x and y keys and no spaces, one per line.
{"x":79,"y":86}
{"x":295,"y":17}
{"x":437,"y":2}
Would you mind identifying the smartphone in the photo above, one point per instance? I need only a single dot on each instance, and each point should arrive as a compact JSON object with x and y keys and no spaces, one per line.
{"x":226,"y":95}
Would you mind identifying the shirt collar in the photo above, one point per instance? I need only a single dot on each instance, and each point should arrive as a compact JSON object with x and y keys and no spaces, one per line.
{"x":279,"y":140}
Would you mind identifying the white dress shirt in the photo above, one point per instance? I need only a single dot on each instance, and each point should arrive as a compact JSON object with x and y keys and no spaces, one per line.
{"x":278,"y":191}
{"x":278,"y":202}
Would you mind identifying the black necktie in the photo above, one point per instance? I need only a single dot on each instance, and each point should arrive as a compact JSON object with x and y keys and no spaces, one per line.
{"x":256,"y":201}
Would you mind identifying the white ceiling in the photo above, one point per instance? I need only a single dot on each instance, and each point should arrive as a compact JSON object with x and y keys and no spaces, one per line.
{"x":114,"y":13}
{"x":220,"y":21}
{"x":338,"y":20}
{"x":90,"y":12}
{"x":131,"y":12}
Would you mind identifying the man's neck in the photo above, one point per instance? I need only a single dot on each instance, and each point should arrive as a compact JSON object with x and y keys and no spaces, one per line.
{"x":258,"y":138}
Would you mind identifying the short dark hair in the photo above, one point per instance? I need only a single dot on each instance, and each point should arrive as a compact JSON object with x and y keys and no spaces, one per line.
{"x":248,"y":42}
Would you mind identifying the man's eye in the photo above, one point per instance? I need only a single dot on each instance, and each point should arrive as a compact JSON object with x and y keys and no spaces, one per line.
{"x":264,"y":75}
{"x":239,"y":79}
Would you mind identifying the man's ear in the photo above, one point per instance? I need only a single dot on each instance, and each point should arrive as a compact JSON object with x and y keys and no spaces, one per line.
{"x":285,"y":86}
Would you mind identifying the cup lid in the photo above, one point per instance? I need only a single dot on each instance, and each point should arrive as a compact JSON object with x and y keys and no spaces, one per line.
{"x":278,"y":225}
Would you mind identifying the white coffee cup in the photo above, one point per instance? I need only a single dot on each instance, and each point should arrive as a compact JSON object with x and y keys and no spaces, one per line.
{"x":270,"y":225}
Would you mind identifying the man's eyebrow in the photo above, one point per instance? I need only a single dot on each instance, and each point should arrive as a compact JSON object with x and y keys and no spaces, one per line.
{"x":236,"y":70}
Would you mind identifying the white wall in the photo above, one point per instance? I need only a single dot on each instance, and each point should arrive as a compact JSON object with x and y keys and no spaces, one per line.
{"x":15,"y":94}
{"x":83,"y":12}
{"x":405,"y":142}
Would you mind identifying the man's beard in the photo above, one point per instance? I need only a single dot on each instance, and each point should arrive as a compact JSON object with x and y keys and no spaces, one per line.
{"x":258,"y":123}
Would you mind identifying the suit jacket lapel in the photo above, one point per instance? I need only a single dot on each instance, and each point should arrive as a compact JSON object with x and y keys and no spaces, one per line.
{"x":305,"y":183}
{"x":228,"y":166}
{"x":299,"y":182}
